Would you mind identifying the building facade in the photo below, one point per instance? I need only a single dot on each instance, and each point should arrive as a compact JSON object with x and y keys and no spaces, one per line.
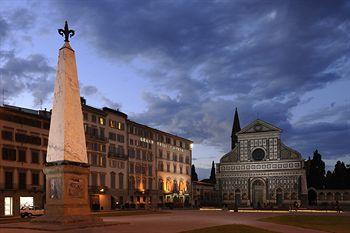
{"x":328,"y":198}
{"x":204,"y":194}
{"x":174,"y":158}
{"x":23,"y":144}
{"x":105,"y":133}
{"x":159,"y":167}
{"x":260,"y":170}
{"x":142,"y":173}
{"x":123,"y":157}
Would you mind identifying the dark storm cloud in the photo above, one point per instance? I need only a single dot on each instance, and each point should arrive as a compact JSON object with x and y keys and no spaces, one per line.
{"x":32,"y":74}
{"x":93,"y":91}
{"x":22,"y":19}
{"x":259,"y":56}
{"x":4,"y":30}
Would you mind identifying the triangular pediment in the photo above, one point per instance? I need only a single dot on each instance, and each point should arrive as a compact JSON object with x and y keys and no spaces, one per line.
{"x":258,"y":126}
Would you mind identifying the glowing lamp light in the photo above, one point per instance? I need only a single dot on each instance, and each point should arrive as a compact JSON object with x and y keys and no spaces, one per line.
{"x":102,"y":190}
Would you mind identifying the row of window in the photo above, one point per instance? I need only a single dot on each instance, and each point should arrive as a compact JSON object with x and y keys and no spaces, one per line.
{"x":96,"y":147}
{"x":102,"y":121}
{"x":22,"y":179}
{"x":116,"y":151}
{"x":140,"y":144}
{"x":24,"y":121}
{"x":140,"y":169}
{"x":116,"y":137}
{"x":116,"y":164}
{"x":140,"y":154}
{"x":20,"y":155}
{"x":102,"y":179}
{"x":140,"y":183}
{"x":174,"y":157}
{"x":23,"y":138}
{"x":161,"y":138}
{"x":162,"y":167}
{"x":97,"y":160}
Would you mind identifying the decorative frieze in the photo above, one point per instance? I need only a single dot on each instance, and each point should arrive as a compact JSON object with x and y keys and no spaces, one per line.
{"x":261,"y":166}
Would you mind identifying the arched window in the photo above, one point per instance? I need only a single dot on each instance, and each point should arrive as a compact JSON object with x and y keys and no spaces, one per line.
{"x":150,"y":183}
{"x":337,"y":196}
{"x":232,"y":196}
{"x":238,"y":197}
{"x":121,"y":180}
{"x":160,"y":184}
{"x":144,"y":184}
{"x":322,"y":196}
{"x":138,"y":182}
{"x":168,"y":185}
{"x":131,"y":182}
{"x":286,"y":195}
{"x":294,"y":196}
{"x":176,"y":188}
{"x":112,"y":174}
{"x":329,"y":196}
{"x":182,"y":186}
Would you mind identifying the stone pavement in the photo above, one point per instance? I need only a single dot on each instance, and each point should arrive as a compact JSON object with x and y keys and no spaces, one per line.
{"x":176,"y":221}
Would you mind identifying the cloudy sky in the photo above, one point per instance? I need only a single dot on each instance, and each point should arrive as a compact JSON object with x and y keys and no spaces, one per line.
{"x":183,"y":66}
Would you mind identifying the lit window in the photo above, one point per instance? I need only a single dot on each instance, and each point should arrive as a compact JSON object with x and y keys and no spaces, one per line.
{"x":111,"y":124}
{"x":101,"y":120}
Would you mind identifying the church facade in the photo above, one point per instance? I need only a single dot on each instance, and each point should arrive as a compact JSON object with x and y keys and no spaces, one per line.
{"x":260,"y":170}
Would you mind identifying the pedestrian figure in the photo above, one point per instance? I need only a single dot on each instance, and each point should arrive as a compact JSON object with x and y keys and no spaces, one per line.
{"x":338,"y":207}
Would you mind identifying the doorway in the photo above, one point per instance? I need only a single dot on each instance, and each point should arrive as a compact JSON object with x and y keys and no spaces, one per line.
{"x":279,"y":197}
{"x":8,"y":204}
{"x":26,"y":202}
{"x":312,"y":196}
{"x":258,"y":193}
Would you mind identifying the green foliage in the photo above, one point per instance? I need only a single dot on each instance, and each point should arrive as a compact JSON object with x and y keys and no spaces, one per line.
{"x":315,"y":171}
{"x":317,"y":178}
{"x":194,"y":176}
{"x":339,"y":178}
{"x":212,"y":174}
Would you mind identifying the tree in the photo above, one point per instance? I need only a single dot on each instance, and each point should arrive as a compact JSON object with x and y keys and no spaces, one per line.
{"x":212,"y":177}
{"x":194,"y":176}
{"x":339,"y":178}
{"x":340,"y":175}
{"x":329,"y":183}
{"x":316,"y":171}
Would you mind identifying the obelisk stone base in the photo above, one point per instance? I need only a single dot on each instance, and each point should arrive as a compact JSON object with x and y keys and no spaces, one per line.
{"x":67,"y":199}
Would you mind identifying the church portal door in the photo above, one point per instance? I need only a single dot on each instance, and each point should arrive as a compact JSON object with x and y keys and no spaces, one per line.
{"x":258,"y":193}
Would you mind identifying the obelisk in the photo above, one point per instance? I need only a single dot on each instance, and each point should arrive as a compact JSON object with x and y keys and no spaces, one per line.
{"x":67,"y":168}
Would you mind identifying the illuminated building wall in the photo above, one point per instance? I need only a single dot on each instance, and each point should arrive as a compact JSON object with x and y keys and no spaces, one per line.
{"x":123,"y":156}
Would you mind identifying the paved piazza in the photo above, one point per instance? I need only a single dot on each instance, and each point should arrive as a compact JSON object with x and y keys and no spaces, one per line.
{"x":177,"y":221}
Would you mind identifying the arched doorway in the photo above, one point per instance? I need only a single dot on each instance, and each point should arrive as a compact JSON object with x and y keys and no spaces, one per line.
{"x":279,"y":197}
{"x":258,"y":188}
{"x":237,"y":197}
{"x":312,"y":196}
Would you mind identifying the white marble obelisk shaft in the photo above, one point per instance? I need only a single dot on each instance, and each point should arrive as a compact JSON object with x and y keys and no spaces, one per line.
{"x":66,"y":137}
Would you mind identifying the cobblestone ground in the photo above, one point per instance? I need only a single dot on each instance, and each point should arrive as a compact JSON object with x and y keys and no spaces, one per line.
{"x":177,"y":221}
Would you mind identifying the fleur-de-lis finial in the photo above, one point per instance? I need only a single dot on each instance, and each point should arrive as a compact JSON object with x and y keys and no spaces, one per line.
{"x":66,"y":32}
